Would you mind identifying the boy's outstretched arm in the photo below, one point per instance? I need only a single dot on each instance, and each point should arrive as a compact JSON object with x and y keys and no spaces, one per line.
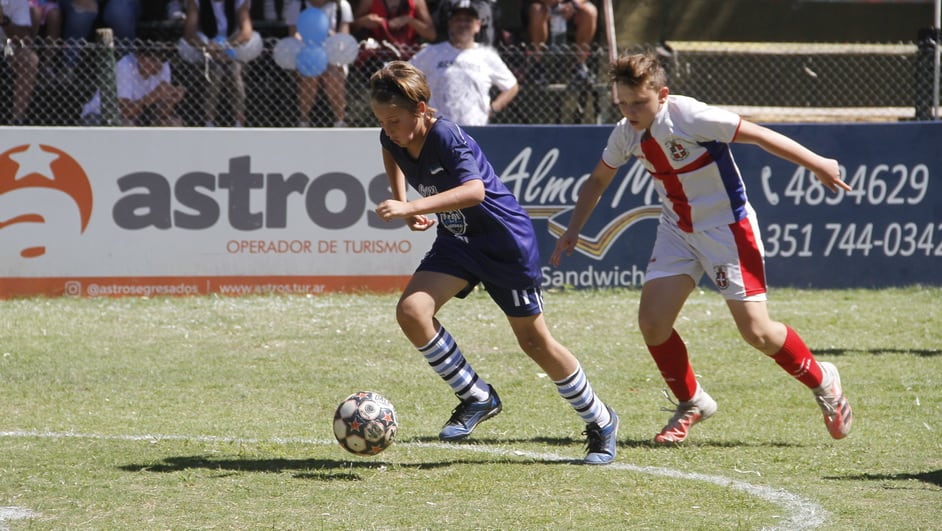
{"x":589,"y":196}
{"x":827,"y":170}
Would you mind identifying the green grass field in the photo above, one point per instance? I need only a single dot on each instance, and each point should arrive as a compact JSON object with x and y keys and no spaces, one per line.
{"x":215,"y":413}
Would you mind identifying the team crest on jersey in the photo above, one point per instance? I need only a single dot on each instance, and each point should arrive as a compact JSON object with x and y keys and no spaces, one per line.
{"x":677,"y":150}
{"x":720,"y":278}
{"x":454,"y":221}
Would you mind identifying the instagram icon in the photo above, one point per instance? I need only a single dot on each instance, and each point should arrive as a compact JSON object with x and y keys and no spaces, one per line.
{"x":73,"y":288}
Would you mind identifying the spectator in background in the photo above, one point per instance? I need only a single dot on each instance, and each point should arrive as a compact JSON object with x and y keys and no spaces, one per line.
{"x":340,"y":15}
{"x":17,"y":26}
{"x":549,"y":18}
{"x":269,"y":11}
{"x":486,"y":10}
{"x":47,"y":18}
{"x":146,"y":94}
{"x":123,"y":17}
{"x":461,"y":73}
{"x":402,"y":23}
{"x":80,"y":16}
{"x":47,"y":24}
{"x":175,"y":10}
{"x":78,"y":19}
{"x":216,"y":26}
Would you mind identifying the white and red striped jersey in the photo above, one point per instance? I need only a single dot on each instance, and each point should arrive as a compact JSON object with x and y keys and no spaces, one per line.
{"x":686,"y":149}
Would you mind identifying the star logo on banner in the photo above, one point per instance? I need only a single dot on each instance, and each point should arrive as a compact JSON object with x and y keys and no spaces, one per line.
{"x":42,"y":166}
{"x":33,"y":160}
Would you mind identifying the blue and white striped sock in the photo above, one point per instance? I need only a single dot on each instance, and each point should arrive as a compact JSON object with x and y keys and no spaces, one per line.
{"x":578,"y":392}
{"x":443,"y":354}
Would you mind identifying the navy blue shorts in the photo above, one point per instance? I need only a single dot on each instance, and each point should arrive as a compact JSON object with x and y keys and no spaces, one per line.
{"x":514,"y":290}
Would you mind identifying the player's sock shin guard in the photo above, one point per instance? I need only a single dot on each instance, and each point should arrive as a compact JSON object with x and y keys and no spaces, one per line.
{"x":671,"y":359}
{"x":577,"y":390}
{"x":797,"y":360}
{"x":445,"y":358}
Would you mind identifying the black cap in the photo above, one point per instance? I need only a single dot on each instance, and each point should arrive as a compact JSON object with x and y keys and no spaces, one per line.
{"x":465,"y":8}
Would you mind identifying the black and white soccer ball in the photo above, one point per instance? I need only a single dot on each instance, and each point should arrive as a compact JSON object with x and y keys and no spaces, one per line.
{"x":365,"y":423}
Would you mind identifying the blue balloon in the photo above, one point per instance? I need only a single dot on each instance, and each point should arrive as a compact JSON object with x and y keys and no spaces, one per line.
{"x":313,"y":25}
{"x":223,"y":42}
{"x":311,"y":60}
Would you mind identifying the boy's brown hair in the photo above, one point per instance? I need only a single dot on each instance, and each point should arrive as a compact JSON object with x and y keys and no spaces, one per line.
{"x":638,"y":70}
{"x":401,"y":84}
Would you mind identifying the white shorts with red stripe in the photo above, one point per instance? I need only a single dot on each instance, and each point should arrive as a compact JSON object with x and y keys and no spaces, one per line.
{"x":732,"y":256}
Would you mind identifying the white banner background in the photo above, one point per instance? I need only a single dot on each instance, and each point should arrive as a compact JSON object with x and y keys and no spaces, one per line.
{"x":34,"y":179}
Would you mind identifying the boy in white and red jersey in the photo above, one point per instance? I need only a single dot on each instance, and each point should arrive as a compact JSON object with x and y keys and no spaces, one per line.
{"x":707,"y":226}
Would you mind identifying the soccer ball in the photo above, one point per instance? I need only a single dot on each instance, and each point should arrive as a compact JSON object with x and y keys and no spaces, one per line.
{"x":365,"y":423}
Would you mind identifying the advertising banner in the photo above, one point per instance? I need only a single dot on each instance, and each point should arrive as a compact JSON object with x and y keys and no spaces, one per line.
{"x":93,"y":212}
{"x":111,"y":211}
{"x":886,"y":231}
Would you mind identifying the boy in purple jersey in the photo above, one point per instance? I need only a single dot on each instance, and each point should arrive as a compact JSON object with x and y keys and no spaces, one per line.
{"x":707,"y":226}
{"x":483,"y":236}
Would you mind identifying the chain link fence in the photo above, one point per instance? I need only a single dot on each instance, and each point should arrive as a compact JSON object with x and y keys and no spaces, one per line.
{"x":761,"y":81}
{"x":808,"y":82}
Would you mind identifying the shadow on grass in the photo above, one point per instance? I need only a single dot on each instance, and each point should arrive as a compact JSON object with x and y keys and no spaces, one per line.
{"x":934,"y":477}
{"x":345,"y":470}
{"x":497,"y":441}
{"x":622,"y":442}
{"x":921,"y":352}
{"x":699,"y":443}
{"x":318,"y":469}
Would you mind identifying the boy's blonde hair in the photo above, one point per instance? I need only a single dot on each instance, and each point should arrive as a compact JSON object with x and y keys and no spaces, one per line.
{"x":400,"y":84}
{"x":639,"y":70}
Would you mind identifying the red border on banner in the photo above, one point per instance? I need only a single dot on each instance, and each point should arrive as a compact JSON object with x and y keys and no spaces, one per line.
{"x":91,"y":287}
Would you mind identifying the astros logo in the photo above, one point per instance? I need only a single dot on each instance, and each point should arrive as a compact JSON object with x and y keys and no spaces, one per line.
{"x":38,"y":168}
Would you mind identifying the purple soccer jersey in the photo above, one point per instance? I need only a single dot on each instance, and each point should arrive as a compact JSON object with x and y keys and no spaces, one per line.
{"x":493,"y":241}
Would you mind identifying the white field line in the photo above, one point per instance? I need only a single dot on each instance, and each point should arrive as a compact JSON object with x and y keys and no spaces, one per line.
{"x":800,"y":513}
{"x":13,"y":513}
{"x":157,"y":438}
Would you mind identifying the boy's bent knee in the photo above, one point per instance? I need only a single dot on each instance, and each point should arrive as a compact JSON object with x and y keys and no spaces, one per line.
{"x":654,"y":331}
{"x":408,"y":314}
{"x":757,"y":339}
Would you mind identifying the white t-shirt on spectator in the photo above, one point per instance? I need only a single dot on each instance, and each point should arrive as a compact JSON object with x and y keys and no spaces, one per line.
{"x":131,"y":84}
{"x":461,"y":80}
{"x":18,"y":11}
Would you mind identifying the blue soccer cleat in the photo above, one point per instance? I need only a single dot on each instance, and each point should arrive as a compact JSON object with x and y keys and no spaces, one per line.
{"x":468,"y":415}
